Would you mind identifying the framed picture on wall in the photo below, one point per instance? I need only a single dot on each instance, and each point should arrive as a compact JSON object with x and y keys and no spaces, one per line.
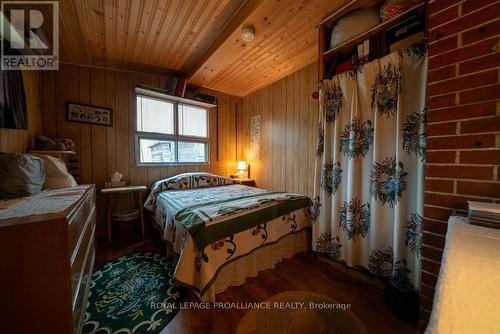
{"x":89,"y":114}
{"x":255,"y":137}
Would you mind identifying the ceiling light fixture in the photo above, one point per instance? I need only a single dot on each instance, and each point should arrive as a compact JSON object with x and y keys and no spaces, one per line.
{"x":248,"y":33}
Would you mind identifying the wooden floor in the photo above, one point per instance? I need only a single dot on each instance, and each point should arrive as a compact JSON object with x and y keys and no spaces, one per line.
{"x":302,"y":272}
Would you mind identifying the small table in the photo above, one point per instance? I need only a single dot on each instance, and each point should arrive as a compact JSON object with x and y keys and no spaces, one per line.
{"x":247,"y":182}
{"x":123,"y":190}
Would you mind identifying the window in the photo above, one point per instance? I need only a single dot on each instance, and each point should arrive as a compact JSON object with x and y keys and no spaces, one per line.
{"x":170,"y":132}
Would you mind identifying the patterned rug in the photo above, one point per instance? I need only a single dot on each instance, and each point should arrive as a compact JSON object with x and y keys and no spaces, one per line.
{"x":303,"y":320}
{"x":132,"y":294}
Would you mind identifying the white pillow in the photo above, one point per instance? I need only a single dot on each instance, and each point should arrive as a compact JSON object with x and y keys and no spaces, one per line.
{"x":354,"y":24}
{"x":56,"y":174}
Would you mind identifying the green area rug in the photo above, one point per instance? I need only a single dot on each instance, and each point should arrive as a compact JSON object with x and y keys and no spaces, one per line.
{"x":132,"y":294}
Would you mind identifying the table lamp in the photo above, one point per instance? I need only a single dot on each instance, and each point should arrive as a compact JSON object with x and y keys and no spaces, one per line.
{"x":242,"y":167}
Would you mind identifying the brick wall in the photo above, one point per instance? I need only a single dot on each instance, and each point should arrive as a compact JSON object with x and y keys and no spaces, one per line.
{"x":463,"y":122}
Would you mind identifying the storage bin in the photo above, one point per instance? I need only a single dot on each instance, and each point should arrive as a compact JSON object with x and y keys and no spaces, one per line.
{"x":125,"y":223}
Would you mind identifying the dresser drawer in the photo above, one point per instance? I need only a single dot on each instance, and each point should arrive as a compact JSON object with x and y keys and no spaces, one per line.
{"x":84,"y":248}
{"x":78,"y":219}
{"x":83,"y":291}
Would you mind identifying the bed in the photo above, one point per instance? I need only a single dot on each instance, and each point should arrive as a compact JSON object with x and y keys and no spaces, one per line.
{"x":222,"y":232}
{"x":467,"y":290}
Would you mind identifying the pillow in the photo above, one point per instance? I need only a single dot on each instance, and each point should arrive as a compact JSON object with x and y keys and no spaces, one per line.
{"x":47,"y":144}
{"x":354,"y":24}
{"x":20,"y":175}
{"x":185,"y":181}
{"x":57,"y":175}
{"x":68,"y":143}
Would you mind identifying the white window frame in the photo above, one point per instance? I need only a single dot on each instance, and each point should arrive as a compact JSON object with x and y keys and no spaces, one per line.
{"x":176,"y":137}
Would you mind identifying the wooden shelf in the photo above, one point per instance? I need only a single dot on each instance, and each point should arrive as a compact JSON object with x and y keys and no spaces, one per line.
{"x":347,"y":8}
{"x":325,"y":55}
{"x":53,"y":152}
{"x":380,"y":27}
{"x":158,"y":93}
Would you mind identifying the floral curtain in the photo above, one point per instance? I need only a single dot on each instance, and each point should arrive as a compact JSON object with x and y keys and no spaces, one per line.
{"x":369,"y":182}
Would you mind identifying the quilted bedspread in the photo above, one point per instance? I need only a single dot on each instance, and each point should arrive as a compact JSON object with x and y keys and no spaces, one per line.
{"x":211,"y":227}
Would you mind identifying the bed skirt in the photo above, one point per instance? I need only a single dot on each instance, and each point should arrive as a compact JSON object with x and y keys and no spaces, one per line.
{"x":235,"y":273}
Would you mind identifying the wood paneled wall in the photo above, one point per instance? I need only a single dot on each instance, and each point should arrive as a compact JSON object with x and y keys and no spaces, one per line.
{"x":12,"y":140}
{"x":288,"y":128}
{"x":103,"y":150}
{"x":289,"y":117}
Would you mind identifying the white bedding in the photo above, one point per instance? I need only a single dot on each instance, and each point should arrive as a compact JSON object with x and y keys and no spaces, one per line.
{"x":48,"y":201}
{"x":467,"y":298}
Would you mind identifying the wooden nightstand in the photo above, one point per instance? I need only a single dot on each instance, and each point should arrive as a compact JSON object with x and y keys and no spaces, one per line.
{"x":247,"y":182}
{"x":123,"y":190}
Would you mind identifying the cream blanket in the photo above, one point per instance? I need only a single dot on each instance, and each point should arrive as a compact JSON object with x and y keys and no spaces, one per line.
{"x":467,"y":298}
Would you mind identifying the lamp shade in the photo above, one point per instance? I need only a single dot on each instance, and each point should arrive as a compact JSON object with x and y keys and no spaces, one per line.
{"x":242,"y":165}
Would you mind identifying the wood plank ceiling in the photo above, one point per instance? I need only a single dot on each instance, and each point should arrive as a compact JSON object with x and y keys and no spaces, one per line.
{"x":199,"y":39}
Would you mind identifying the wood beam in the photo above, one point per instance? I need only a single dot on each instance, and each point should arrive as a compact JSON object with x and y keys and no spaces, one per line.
{"x":239,"y":17}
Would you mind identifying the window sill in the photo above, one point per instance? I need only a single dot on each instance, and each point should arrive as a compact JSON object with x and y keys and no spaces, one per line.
{"x":173,"y":164}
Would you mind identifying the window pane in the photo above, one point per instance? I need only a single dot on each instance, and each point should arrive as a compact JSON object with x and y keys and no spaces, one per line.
{"x":153,"y":150}
{"x":192,"y":152}
{"x":193,"y":121}
{"x":155,"y":115}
